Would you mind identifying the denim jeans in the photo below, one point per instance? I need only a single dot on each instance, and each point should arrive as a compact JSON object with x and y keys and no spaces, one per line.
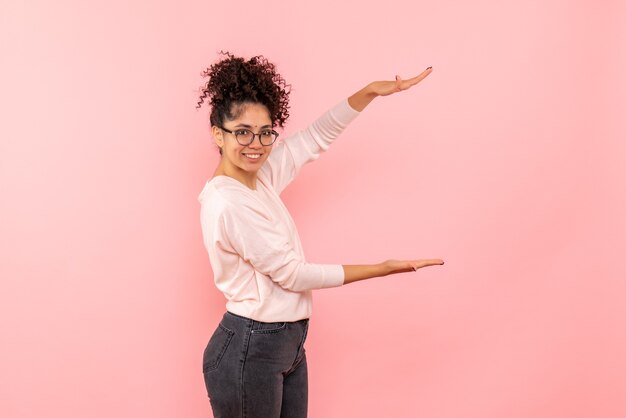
{"x":257,"y":369}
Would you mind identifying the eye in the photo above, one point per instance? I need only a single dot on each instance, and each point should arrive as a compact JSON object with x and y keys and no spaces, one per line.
{"x":242,"y":132}
{"x":267,"y":132}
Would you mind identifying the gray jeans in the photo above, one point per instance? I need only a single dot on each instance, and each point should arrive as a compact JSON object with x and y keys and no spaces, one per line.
{"x":257,"y":369}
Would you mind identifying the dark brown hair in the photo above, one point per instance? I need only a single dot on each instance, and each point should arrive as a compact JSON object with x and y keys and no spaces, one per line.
{"x":234,"y":81}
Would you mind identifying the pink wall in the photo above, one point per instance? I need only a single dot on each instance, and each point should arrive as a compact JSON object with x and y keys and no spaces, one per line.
{"x":507,"y":162}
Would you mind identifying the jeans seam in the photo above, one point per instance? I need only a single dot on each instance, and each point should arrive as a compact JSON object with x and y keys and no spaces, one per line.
{"x":243,"y":364}
{"x":269,"y":331}
{"x":300,"y":352}
{"x":305,"y":331}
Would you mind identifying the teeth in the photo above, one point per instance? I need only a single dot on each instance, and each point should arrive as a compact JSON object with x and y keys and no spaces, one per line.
{"x":253,"y":155}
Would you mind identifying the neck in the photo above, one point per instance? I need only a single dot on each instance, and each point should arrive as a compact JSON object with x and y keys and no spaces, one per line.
{"x":246,"y":178}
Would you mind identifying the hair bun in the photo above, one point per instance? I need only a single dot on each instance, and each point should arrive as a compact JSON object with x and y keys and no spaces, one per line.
{"x":233,"y":80}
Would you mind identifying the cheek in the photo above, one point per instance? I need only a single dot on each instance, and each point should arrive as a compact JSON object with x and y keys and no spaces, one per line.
{"x":233,"y":149}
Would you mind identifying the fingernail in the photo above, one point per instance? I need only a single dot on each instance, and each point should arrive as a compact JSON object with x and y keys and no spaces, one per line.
{"x":429,"y":68}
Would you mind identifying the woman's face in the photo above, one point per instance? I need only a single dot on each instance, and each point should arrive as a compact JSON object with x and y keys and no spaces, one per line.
{"x":251,"y":116}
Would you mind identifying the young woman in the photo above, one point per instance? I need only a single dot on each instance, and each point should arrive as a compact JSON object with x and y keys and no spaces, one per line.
{"x":255,"y":363}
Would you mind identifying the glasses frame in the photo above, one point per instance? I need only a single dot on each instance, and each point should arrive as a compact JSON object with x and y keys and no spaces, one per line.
{"x":274,"y":133}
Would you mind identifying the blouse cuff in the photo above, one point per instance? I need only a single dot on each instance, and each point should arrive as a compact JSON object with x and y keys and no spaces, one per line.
{"x":345,"y":113}
{"x":333,"y":275}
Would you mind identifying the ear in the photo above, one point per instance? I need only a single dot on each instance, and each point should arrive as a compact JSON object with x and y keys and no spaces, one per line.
{"x":218,"y":136}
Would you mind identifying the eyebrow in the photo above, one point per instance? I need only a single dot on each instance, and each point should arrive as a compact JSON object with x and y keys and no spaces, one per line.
{"x":243,"y":125}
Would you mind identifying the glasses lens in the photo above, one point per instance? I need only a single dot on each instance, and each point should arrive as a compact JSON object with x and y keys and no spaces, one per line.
{"x":243,"y":136}
{"x":268,"y":137}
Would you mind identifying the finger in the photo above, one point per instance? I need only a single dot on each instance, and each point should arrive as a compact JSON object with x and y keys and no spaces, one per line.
{"x":429,"y":262}
{"x":413,"y":81}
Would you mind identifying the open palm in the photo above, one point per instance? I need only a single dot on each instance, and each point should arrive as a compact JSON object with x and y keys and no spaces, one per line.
{"x":403,"y":266}
{"x":385,"y":88}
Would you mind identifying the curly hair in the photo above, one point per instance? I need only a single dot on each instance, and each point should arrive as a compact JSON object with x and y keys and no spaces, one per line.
{"x":234,"y":81}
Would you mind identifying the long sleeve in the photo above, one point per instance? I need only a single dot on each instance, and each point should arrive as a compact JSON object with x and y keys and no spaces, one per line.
{"x":257,"y":258}
{"x":288,"y":157}
{"x":264,"y":244}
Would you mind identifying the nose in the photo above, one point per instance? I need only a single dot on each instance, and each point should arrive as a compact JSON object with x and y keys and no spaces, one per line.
{"x":256,"y":143}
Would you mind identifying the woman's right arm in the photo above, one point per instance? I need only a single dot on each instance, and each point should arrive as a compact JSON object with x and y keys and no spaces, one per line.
{"x":354,"y":273}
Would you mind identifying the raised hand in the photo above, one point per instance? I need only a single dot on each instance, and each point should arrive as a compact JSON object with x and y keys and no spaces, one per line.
{"x":363,"y":97}
{"x":385,"y":88}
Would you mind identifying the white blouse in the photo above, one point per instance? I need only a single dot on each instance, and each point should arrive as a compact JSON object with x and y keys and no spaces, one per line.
{"x":253,"y":245}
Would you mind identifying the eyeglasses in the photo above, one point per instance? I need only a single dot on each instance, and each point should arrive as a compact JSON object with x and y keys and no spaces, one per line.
{"x":246,"y":137}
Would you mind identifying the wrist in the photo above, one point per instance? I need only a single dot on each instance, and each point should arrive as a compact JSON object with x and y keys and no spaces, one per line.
{"x":370,"y":90}
{"x":359,"y":100}
{"x":385,"y":268}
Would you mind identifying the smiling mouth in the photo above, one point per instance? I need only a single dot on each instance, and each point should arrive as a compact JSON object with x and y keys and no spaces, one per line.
{"x":253,"y":156}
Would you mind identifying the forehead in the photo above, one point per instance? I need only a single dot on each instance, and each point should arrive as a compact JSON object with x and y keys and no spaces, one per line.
{"x":252,"y":114}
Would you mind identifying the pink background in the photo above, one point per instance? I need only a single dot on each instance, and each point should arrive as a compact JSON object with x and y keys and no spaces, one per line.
{"x":507,"y":162}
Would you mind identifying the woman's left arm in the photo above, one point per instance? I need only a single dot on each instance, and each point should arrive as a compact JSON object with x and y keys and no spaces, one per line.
{"x":359,"y":100}
{"x":285,"y":161}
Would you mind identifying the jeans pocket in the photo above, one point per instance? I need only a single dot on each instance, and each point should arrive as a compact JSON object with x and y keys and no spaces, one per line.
{"x":216,"y":348}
